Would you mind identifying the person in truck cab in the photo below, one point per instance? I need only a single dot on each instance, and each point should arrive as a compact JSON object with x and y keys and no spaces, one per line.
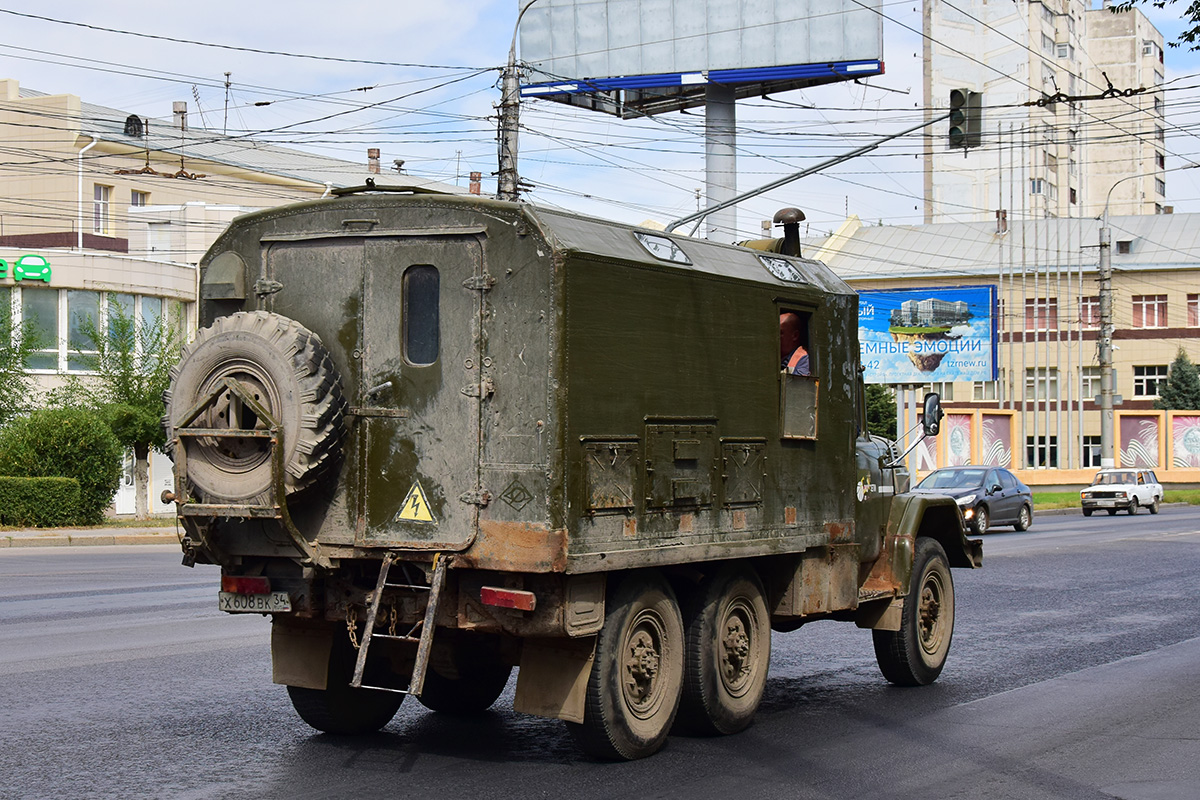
{"x":792,"y":353}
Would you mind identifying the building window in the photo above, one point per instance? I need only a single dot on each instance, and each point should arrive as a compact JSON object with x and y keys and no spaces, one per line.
{"x":39,"y":310}
{"x":101,"y":195}
{"x":83,"y":316}
{"x":1065,"y":50}
{"x":1158,"y":134}
{"x":945,"y":389}
{"x":1091,"y":451}
{"x":1089,"y":311}
{"x":1147,"y":378}
{"x":1158,"y":105}
{"x":985,"y":390}
{"x":1193,"y":311}
{"x":1041,"y":453}
{"x":1037,"y":186}
{"x":1160,"y":186}
{"x":1149,"y":310}
{"x":1041,"y":383}
{"x":1089,"y":383}
{"x":1074,"y":196}
{"x":1047,"y":43}
{"x":1041,"y":314}
{"x":1160,"y":160}
{"x":137,"y":198}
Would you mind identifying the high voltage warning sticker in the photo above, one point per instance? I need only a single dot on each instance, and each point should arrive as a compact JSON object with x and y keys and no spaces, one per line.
{"x":416,"y":507}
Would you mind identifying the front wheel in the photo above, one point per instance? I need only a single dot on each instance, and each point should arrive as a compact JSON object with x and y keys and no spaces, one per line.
{"x":1087,"y":512}
{"x":634,"y":687}
{"x":981,"y":520}
{"x":728,"y":653}
{"x":1133,"y":506}
{"x":1024,"y":519}
{"x":915,"y":654}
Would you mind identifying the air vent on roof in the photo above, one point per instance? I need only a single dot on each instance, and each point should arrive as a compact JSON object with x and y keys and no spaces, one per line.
{"x":133,"y":126}
{"x":1124,"y":246}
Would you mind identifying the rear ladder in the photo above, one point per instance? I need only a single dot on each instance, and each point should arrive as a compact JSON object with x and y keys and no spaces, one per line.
{"x":421,"y":633}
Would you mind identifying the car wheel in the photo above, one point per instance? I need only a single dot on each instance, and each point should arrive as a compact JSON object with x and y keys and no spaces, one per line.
{"x":980,"y":523}
{"x":1112,"y":512}
{"x":1024,"y":519}
{"x":1133,"y":506}
{"x":1153,"y":506}
{"x":1087,"y":512}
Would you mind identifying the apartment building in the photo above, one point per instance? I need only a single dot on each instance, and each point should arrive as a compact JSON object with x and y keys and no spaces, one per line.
{"x":1040,"y":155}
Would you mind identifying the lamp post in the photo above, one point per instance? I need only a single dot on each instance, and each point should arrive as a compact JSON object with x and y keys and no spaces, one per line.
{"x":1106,"y":325}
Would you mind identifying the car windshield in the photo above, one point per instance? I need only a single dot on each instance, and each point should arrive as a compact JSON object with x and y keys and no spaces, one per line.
{"x":1108,"y":478}
{"x":952,"y":479}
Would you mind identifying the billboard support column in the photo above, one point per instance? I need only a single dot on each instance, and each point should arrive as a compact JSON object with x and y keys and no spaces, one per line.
{"x":720,"y":159}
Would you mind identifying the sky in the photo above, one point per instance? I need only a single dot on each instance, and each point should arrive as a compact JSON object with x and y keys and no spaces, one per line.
{"x":419,"y":80}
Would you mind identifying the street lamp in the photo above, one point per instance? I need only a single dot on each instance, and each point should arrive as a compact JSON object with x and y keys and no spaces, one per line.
{"x":1106,"y":324}
{"x":507,"y":187}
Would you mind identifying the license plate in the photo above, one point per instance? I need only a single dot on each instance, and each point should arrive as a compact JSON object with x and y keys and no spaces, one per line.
{"x":254,"y":603}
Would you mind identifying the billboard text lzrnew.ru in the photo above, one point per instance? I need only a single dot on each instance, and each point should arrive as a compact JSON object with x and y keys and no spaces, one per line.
{"x":914,"y":336}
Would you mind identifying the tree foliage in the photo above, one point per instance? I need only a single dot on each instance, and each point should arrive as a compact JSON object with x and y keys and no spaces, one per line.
{"x":881,"y":410}
{"x":1181,"y":391}
{"x":65,"y":443}
{"x":1189,"y":36}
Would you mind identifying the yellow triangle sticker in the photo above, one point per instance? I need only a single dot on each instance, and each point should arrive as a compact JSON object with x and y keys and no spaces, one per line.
{"x":416,"y":507}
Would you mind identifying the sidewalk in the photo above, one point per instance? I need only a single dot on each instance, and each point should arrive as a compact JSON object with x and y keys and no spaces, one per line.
{"x":69,"y":537}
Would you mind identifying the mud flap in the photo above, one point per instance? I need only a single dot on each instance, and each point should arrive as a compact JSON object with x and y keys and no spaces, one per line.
{"x":880,"y":615}
{"x":300,"y":655}
{"x":552,"y":681}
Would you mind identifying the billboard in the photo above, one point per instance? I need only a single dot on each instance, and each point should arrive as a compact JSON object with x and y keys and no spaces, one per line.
{"x":657,"y":55}
{"x":928,"y":335}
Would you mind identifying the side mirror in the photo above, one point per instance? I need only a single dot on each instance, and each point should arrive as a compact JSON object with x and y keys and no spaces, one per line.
{"x":931,"y":418}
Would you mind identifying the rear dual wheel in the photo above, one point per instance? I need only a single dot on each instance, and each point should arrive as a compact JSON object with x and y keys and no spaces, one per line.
{"x":634,"y":687}
{"x":341,"y":709}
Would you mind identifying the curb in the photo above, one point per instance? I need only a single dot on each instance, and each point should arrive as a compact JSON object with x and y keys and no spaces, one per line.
{"x":79,"y":538}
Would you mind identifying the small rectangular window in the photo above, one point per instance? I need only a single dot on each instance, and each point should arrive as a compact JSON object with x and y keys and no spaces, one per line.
{"x":1160,"y":186}
{"x":1041,"y":314}
{"x":1149,"y":311}
{"x":1041,"y":451}
{"x":1124,"y":246}
{"x":1041,"y":383}
{"x":421,"y":314}
{"x":137,"y":198}
{"x":1146,"y":379}
{"x":797,"y":373}
{"x":83,"y":322}
{"x":1089,"y":383}
{"x":1193,"y":310}
{"x":1091,"y":451}
{"x":101,"y":195}
{"x":1089,"y":311}
{"x":985,"y":390}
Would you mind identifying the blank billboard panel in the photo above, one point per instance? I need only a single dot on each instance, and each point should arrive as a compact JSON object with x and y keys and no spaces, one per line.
{"x":641,"y":46}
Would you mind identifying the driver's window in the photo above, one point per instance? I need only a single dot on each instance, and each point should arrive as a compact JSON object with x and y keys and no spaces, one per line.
{"x":797,"y":374}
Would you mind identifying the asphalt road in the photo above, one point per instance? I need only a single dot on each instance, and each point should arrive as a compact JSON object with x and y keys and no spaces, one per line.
{"x":1072,"y":675}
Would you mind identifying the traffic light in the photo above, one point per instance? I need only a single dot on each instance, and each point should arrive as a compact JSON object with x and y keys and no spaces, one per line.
{"x":966,"y":118}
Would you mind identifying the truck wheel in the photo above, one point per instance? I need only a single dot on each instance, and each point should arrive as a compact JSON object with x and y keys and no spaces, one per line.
{"x":287,"y":369}
{"x":915,"y":654}
{"x":340,"y":709}
{"x":1133,"y":506}
{"x":981,"y":520}
{"x":634,"y":687}
{"x":1087,"y":512}
{"x":1153,"y":506}
{"x":728,"y":643}
{"x":1024,"y":519}
{"x":480,"y":678}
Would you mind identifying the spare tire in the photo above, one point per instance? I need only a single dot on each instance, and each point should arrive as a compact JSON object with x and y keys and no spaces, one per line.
{"x":288,"y":371}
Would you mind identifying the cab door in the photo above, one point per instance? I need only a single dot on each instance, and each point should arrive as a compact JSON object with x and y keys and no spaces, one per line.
{"x":420,"y":391}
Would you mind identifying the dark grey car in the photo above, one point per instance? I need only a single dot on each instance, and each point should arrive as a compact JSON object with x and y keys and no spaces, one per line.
{"x":987,"y":495}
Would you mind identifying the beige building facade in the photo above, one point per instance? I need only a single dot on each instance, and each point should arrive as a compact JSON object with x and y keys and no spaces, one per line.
{"x":1045,"y":275}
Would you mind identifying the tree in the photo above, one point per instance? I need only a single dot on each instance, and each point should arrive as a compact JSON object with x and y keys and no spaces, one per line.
{"x":1190,"y":36}
{"x":131,"y":363}
{"x":16,"y":343}
{"x":1181,"y":391}
{"x":881,"y":410}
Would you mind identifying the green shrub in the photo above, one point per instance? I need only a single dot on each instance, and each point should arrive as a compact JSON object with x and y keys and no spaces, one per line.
{"x":38,"y":502}
{"x":66,"y":443}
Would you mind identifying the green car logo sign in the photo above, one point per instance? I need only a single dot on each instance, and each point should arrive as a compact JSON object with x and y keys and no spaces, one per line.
{"x":29,"y":267}
{"x":32,"y":268}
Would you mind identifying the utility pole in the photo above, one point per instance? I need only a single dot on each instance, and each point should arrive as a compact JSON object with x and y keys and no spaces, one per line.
{"x":1106,"y":336}
{"x":507,"y":181}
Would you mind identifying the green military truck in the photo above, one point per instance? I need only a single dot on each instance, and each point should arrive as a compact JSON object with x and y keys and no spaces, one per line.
{"x":435,"y":437}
